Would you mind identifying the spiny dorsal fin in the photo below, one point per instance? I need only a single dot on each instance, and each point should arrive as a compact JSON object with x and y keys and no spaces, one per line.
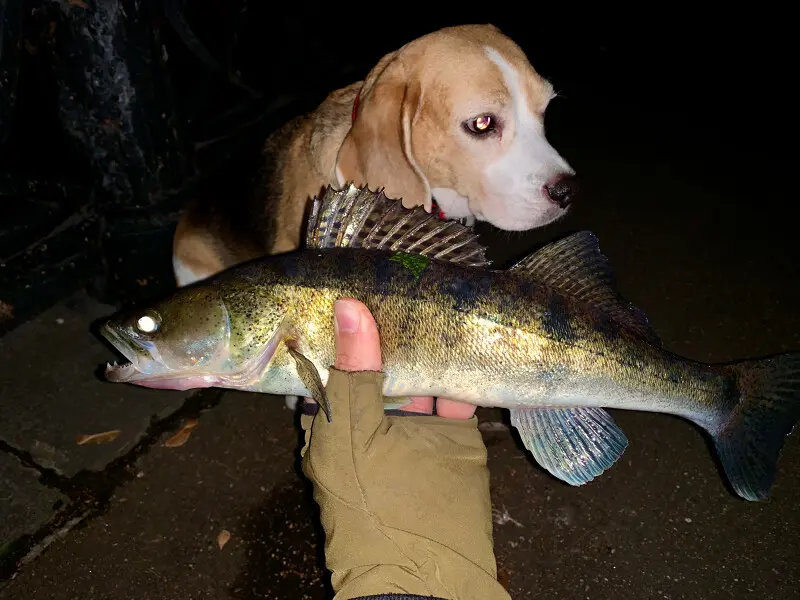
{"x":359,"y":218}
{"x":575,"y":267}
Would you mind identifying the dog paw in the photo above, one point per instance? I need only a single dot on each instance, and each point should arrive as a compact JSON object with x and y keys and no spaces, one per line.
{"x":291,"y":402}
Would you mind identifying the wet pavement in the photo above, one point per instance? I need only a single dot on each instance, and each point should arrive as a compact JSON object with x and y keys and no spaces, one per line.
{"x":711,"y":260}
{"x":660,"y":524}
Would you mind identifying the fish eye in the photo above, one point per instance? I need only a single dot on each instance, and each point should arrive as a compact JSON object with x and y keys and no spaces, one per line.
{"x":146,"y":324}
{"x":481,"y":125}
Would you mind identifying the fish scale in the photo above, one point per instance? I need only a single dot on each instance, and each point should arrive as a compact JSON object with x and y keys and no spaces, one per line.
{"x":550,"y":339}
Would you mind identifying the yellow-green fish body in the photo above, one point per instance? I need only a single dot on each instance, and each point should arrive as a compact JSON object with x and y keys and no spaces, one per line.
{"x":486,"y":337}
{"x":550,"y":339}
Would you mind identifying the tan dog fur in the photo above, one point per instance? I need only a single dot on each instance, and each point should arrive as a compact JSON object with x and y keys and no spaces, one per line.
{"x":408,"y":137}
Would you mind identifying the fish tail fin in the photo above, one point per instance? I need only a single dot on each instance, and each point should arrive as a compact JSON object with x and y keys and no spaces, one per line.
{"x":766,"y":407}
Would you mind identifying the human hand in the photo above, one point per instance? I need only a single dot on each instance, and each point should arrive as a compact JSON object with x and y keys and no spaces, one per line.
{"x":404,"y":500}
{"x":358,"y":349}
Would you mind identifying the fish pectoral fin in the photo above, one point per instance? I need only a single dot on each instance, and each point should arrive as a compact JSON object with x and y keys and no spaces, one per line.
{"x":310,"y":377}
{"x":573,"y":444}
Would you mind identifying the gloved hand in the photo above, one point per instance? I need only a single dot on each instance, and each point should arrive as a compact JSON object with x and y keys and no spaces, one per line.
{"x":404,"y":500}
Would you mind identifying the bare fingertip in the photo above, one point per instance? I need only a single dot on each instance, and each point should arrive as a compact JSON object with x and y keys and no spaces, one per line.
{"x":346,"y":316}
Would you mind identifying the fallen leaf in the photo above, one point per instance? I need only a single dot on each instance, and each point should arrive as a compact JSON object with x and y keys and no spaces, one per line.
{"x":503,"y":576}
{"x":80,"y":3}
{"x":6,"y":311}
{"x":223,"y":538}
{"x":98,"y":438}
{"x":180,"y":438}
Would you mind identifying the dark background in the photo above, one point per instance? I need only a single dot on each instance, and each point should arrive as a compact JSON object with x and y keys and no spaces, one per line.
{"x":112,"y":114}
{"x":681,"y":123}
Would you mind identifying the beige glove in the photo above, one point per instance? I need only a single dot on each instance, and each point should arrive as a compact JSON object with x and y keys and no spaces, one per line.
{"x":404,"y":500}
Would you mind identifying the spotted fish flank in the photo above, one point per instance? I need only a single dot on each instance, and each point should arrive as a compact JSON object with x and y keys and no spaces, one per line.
{"x":466,"y":293}
{"x":556,"y":320}
{"x":550,"y":339}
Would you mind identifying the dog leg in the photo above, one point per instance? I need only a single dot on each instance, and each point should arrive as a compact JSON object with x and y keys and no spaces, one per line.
{"x":291,"y":402}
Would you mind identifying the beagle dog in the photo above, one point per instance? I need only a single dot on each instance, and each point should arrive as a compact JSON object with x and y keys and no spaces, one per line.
{"x":452,"y":121}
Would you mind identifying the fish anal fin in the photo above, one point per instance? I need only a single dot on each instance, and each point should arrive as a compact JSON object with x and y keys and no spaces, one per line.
{"x":356,"y":217}
{"x":574,"y":266}
{"x":573,"y":444}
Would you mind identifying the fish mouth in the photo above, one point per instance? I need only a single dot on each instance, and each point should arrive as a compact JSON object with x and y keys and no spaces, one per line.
{"x":136,"y":373}
{"x":127,"y":371}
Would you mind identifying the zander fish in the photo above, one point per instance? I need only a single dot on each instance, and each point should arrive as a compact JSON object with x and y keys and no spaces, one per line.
{"x":550,"y":339}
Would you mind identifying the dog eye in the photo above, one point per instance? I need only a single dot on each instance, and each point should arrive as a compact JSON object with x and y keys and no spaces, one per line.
{"x":481,"y":125}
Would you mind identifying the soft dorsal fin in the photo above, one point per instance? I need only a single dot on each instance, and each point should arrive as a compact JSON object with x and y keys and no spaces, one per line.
{"x":360,"y":218}
{"x":574,"y":266}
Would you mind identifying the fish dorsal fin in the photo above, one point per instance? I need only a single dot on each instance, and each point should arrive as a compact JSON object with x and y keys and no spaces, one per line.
{"x":574,"y":266}
{"x":360,"y":218}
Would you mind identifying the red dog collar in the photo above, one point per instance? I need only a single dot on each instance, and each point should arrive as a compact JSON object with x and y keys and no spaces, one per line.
{"x":435,"y":208}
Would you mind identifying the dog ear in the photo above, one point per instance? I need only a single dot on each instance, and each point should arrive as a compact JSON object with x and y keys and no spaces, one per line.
{"x":378,"y":149}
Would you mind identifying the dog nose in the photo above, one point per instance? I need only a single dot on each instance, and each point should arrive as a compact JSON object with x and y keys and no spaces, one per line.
{"x":563,"y":191}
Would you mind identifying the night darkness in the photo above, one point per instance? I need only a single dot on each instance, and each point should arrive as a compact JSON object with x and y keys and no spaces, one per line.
{"x":680,"y":122}
{"x":704,"y":96}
